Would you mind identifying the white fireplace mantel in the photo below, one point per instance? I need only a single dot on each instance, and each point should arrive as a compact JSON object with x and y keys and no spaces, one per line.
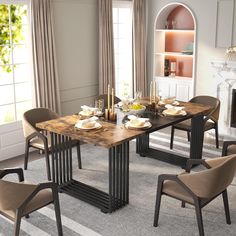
{"x":225,"y":75}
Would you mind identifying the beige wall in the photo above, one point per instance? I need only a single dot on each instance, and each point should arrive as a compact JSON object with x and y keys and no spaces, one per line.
{"x":205,"y":12}
{"x":76,"y":31}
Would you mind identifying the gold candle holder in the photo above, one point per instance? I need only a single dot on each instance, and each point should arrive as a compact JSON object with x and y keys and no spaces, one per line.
{"x":107,"y":114}
{"x":112,"y":116}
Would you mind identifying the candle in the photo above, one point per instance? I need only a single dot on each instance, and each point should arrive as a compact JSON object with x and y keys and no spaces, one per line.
{"x":155,"y":89}
{"x":108,"y":97}
{"x":151,"y":92}
{"x":112,"y":96}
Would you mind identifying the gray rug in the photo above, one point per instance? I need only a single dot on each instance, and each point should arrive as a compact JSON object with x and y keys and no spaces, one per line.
{"x":80,"y":218}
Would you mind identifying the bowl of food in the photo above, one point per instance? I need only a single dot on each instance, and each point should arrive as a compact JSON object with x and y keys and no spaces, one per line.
{"x":136,"y":108}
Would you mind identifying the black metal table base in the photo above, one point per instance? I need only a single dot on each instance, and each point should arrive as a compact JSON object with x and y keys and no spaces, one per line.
{"x":118,"y":174}
{"x":91,"y":195}
{"x":196,"y":143}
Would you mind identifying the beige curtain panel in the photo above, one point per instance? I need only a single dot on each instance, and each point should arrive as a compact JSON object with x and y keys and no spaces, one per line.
{"x":44,"y":58}
{"x":106,"y":47}
{"x":139,"y":46}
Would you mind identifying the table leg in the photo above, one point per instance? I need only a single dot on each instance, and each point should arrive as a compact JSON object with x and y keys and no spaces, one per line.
{"x":118,"y":171}
{"x":197,"y":136}
{"x":142,"y":144}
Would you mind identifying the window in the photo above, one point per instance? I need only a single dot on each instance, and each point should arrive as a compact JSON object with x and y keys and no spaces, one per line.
{"x":122,"y":28}
{"x":15,"y":68}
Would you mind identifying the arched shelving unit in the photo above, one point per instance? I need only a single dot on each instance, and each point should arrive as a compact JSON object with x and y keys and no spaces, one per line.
{"x":175,"y":40}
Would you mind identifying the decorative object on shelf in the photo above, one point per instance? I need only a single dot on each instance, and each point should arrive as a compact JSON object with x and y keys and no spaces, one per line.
{"x":167,"y":24}
{"x":167,"y":67}
{"x":110,"y":113}
{"x":230,"y":51}
{"x":172,"y":69}
{"x":188,"y":50}
{"x":173,"y":24}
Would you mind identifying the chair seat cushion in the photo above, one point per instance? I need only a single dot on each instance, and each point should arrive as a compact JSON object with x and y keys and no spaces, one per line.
{"x":43,"y":198}
{"x":231,"y":149}
{"x":38,"y":143}
{"x":186,"y":125}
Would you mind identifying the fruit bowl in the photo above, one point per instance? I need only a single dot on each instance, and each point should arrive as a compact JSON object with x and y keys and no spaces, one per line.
{"x":136,"y":108}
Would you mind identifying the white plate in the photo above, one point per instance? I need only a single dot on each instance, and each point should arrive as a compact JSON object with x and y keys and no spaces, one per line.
{"x":181,"y":113}
{"x":145,"y":126}
{"x":96,"y":126}
{"x":83,"y":113}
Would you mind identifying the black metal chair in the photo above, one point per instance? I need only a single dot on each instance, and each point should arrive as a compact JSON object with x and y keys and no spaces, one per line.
{"x":198,"y":188}
{"x":37,"y":138}
{"x":210,"y":119}
{"x":20,"y":199}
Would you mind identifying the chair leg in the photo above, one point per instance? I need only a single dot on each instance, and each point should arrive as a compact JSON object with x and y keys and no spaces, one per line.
{"x":226,"y":206}
{"x":47,"y":162}
{"x":26,"y":154}
{"x":199,"y":217}
{"x":217,"y":136}
{"x":189,"y":136}
{"x":172,"y":136}
{"x":157,"y":207}
{"x":17,"y":224}
{"x":58,"y":214}
{"x":79,"y":155}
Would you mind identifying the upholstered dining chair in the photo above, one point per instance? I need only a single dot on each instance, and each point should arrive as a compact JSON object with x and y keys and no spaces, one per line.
{"x":229,"y":147}
{"x":20,"y":199}
{"x":198,"y":188}
{"x":104,"y":97}
{"x":37,"y":138}
{"x":210,"y":119}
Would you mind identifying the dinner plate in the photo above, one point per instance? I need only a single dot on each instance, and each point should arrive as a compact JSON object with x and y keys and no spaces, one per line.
{"x":86,"y":114}
{"x":146,"y":125}
{"x":96,"y":126}
{"x":167,"y":113}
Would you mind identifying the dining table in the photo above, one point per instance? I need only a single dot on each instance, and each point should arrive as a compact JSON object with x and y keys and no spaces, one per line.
{"x":115,"y":137}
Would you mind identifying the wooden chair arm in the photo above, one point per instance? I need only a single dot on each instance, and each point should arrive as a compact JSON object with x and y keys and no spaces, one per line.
{"x":226,"y":144}
{"x":191,"y":162}
{"x":49,"y":185}
{"x":18,"y":171}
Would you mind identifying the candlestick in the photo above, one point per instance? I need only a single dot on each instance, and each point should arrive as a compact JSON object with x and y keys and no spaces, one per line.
{"x":151,"y":92}
{"x":112,"y":96}
{"x":155,"y":90}
{"x":108,"y":97}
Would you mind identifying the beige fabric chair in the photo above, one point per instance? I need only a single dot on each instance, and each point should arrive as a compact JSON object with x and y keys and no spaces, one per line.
{"x":37,"y":138}
{"x":198,"y":188}
{"x":229,"y":147}
{"x":20,"y":199}
{"x":210,"y":119}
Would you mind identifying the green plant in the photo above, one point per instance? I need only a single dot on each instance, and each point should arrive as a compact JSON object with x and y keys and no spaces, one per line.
{"x":11,"y":19}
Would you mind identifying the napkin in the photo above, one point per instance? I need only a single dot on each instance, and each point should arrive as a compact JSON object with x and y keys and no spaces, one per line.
{"x":133,"y":117}
{"x":87,"y":108}
{"x":81,"y":123}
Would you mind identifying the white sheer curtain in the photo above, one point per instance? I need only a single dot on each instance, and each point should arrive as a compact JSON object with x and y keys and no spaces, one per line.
{"x":44,"y":56}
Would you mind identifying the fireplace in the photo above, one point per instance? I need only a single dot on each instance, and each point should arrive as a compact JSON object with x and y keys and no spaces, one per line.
{"x":224,"y":73}
{"x":233,"y":109}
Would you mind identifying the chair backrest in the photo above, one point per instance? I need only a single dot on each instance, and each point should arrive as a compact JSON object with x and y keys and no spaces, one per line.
{"x":13,"y":194}
{"x":211,"y":101}
{"x":208,"y":183}
{"x":105,"y":98}
{"x":36,"y":115}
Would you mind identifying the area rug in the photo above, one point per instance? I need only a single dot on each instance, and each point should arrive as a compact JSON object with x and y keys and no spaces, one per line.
{"x":135,"y":219}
